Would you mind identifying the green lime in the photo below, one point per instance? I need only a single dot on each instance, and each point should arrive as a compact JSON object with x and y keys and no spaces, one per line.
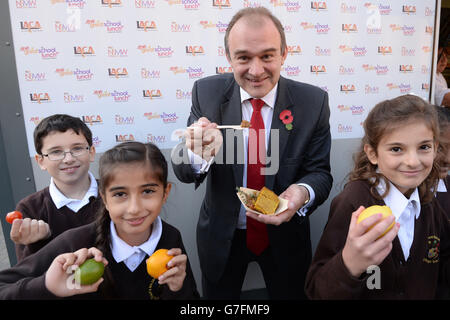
{"x":89,"y":272}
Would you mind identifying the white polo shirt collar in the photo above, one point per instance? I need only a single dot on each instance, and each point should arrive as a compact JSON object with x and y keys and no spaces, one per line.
{"x":405,"y":210}
{"x":132,"y":256}
{"x":60,"y":200}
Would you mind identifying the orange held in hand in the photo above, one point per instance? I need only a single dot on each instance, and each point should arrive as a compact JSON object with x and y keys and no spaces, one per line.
{"x":10,"y":217}
{"x":370,"y":211}
{"x":157,"y":263}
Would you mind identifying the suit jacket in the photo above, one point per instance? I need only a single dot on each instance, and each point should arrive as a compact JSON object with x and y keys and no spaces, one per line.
{"x":304,"y":157}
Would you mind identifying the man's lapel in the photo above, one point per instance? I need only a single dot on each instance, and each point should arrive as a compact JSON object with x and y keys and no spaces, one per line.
{"x":231,"y":114}
{"x":283,"y":102}
{"x":230,"y":109}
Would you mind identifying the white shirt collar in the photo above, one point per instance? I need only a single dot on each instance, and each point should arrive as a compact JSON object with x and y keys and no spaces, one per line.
{"x":60,"y":200}
{"x":406,"y":211}
{"x":441,"y":186}
{"x":398,"y":202}
{"x":132,"y":256}
{"x":269,"y":99}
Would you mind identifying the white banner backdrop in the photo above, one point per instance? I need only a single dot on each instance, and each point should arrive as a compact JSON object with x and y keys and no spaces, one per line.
{"x":127,"y":67}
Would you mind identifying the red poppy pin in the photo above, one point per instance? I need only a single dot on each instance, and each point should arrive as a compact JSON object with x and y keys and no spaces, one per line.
{"x":287,"y":118}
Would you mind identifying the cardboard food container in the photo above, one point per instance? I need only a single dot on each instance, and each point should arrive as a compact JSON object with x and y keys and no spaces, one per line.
{"x":243,"y":193}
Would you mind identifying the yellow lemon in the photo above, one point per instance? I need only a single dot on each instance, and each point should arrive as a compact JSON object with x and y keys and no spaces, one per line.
{"x":157,"y":263}
{"x":370,"y":211}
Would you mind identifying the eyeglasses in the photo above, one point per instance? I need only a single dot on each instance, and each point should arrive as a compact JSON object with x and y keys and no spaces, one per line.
{"x":56,"y":155}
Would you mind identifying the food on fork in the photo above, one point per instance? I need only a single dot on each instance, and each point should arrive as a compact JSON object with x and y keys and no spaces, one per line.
{"x":245,"y":124}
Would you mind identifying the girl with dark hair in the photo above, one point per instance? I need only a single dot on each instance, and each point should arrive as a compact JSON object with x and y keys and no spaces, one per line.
{"x":134,"y":188}
{"x":396,"y":166}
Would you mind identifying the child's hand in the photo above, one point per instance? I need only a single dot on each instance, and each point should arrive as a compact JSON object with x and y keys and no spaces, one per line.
{"x":59,"y":278}
{"x":27,"y":231}
{"x":174,"y":277}
{"x":364,"y":248}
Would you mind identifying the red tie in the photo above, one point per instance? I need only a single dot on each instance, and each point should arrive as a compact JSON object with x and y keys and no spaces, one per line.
{"x":257,"y":238}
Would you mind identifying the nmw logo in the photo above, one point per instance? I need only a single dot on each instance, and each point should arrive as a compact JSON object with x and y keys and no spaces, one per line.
{"x":25,"y":4}
{"x":32,"y":76}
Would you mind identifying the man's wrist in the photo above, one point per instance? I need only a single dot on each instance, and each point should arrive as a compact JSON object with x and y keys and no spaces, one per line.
{"x":307,"y":196}
{"x":198,"y":164}
{"x":308,"y":201}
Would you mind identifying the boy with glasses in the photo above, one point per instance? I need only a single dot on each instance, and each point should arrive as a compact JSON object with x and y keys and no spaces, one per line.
{"x":64,"y":148}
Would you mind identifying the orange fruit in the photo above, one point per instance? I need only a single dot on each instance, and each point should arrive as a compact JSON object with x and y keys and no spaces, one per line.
{"x":157,"y":263}
{"x":370,"y":211}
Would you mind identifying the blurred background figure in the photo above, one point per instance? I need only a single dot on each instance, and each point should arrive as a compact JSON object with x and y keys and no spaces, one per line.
{"x":442,"y":92}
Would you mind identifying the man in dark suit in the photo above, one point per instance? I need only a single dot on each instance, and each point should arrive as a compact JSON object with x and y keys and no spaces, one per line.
{"x":296,"y":163}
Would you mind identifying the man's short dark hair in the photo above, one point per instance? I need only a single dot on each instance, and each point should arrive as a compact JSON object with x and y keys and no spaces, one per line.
{"x":258,"y":11}
{"x":60,"y":123}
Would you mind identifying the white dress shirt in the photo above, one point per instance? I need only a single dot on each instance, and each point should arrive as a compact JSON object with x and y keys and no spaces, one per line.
{"x":132,"y":256}
{"x":440,"y":89}
{"x":60,"y":200}
{"x":200,"y":165}
{"x":406,"y":212}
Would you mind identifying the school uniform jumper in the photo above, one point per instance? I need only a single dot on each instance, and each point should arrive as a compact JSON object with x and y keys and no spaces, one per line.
{"x":26,"y":280}
{"x":40,"y":206}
